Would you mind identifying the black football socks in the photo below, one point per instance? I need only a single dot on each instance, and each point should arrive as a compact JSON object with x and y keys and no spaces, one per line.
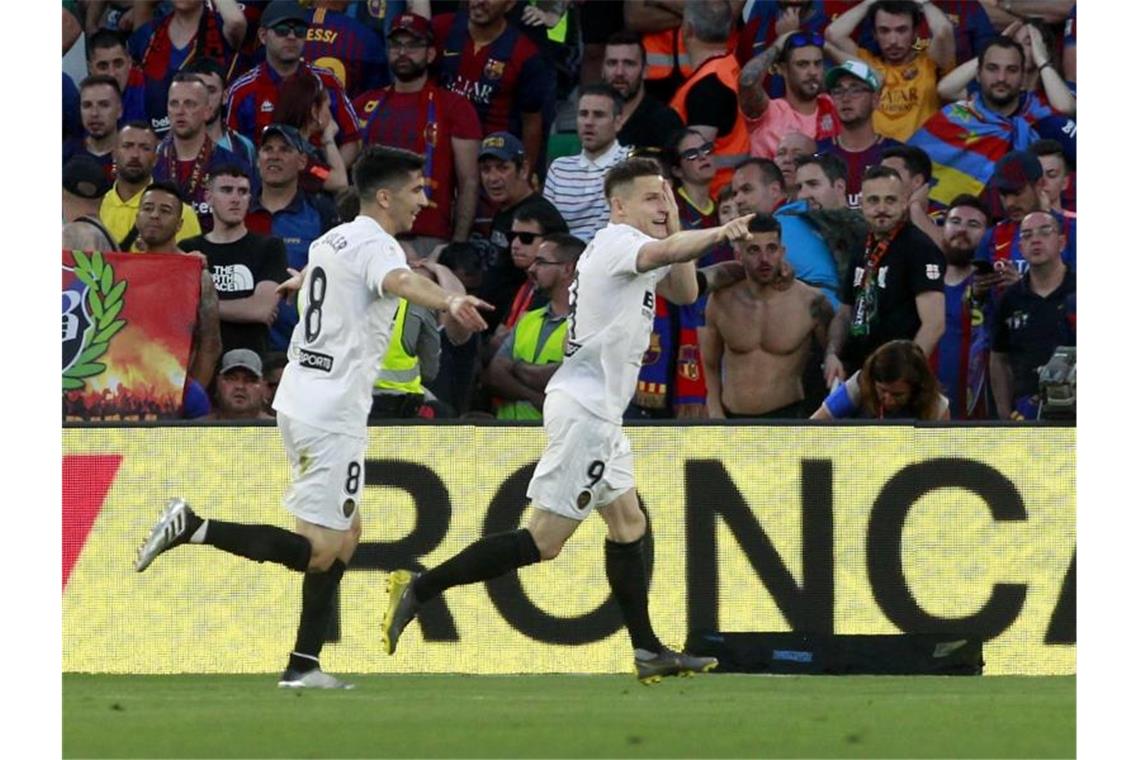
{"x":317,"y":593}
{"x":261,"y":543}
{"x":487,"y":558}
{"x":625,"y":570}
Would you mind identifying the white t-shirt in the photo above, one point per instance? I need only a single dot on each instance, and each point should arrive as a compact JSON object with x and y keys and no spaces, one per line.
{"x":344,"y":327}
{"x":611,"y":319}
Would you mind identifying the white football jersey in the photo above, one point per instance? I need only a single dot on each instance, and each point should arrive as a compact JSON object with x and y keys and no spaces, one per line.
{"x":611,"y":319}
{"x":344,"y":326}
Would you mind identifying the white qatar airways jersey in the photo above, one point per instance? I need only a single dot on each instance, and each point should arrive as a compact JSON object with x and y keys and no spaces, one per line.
{"x":343,"y":331}
{"x":611,"y":319}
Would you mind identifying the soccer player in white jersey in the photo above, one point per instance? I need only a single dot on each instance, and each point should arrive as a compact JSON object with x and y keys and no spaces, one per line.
{"x":349,"y":293}
{"x":588,"y":463}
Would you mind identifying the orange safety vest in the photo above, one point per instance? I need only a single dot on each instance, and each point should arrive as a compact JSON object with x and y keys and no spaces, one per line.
{"x":731,"y":149}
{"x":665,"y":51}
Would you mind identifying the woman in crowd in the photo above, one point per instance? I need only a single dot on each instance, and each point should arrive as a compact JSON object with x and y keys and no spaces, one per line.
{"x":896,"y":382}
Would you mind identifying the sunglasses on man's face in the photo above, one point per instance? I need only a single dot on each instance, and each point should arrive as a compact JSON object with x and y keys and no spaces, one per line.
{"x":692,"y":154}
{"x":297,"y":28}
{"x":526,"y":238}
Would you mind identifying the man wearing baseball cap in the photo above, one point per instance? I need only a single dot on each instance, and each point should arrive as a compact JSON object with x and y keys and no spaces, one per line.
{"x":417,"y":114}
{"x":286,"y":211}
{"x":855,"y":88}
{"x":1019,"y":182}
{"x":910,"y":72}
{"x":84,"y":185}
{"x":254,"y":96}
{"x":239,"y":393}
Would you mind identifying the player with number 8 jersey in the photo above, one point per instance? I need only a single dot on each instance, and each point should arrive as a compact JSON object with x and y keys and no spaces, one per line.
{"x":588,"y":461}
{"x":356,"y":276}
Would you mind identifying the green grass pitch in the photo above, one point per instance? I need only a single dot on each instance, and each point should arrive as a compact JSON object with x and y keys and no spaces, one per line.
{"x":570,"y":716}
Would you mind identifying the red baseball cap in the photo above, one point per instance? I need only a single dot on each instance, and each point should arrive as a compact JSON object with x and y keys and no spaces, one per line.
{"x":413,"y":24}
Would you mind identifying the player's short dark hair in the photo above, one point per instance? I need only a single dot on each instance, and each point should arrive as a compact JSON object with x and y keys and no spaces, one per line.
{"x":103,"y":40}
{"x":832,"y":167}
{"x":1005,"y":43}
{"x":627,"y":171}
{"x":972,"y":201}
{"x":567,"y":248}
{"x":96,"y":80}
{"x":204,"y":65}
{"x":765,"y":223}
{"x":543,"y":213}
{"x":1049,"y":147}
{"x":604,"y":90}
{"x":878,"y":171}
{"x":230,"y":169}
{"x":627,"y":37}
{"x":770,"y":174}
{"x":915,"y":159}
{"x":725,"y":193}
{"x":380,"y":167}
{"x":165,"y":186}
{"x":896,"y":8}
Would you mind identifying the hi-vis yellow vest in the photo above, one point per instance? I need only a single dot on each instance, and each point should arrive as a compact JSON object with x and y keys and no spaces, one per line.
{"x":400,"y":371}
{"x":527,"y":350}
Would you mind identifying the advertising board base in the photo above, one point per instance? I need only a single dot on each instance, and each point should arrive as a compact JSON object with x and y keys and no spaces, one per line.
{"x":826,"y":654}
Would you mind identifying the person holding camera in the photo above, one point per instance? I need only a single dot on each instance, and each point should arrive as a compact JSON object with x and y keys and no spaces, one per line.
{"x":1035,"y":316}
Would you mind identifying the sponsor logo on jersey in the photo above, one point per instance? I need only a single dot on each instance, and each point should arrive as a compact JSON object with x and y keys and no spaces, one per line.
{"x":314,"y":360}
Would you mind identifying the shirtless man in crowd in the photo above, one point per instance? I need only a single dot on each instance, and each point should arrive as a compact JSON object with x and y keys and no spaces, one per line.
{"x":761,"y":329}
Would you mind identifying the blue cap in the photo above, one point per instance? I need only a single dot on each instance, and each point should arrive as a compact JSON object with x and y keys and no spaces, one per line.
{"x":502,"y":145}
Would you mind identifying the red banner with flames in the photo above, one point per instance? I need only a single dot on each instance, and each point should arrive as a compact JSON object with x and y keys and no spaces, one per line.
{"x":128,"y":322}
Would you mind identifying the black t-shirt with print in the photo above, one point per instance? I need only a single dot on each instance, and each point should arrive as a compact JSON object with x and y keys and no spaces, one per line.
{"x":237,"y":268}
{"x":913,"y":264}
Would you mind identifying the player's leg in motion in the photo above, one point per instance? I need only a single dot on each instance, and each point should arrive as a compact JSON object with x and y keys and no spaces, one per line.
{"x":317,"y":592}
{"x":626,"y":570}
{"x":321,"y":491}
{"x":178,"y":524}
{"x":487,"y":558}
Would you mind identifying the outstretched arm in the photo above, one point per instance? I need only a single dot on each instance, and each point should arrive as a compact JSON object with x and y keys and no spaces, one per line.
{"x":464,"y":309}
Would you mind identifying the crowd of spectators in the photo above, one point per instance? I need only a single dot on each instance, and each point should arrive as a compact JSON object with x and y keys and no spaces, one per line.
{"x":911,"y":165}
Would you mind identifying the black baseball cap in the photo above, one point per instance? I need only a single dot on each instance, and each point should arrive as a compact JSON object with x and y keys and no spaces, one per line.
{"x":85,"y":177}
{"x":283,"y":10}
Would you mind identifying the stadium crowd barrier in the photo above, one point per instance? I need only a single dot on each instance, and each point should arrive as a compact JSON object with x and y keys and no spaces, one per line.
{"x":835,"y":529}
